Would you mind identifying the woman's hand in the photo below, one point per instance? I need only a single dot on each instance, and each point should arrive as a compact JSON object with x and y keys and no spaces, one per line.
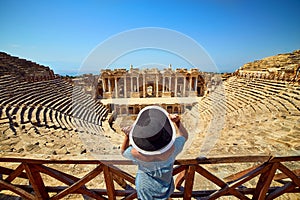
{"x":175,"y":118}
{"x":126,"y":130}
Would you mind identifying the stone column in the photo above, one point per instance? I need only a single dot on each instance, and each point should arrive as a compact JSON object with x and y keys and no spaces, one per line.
{"x":175,"y":86}
{"x":125,"y":87}
{"x":137,"y":84}
{"x":164,"y":83}
{"x":170,"y":81}
{"x":116,"y":87}
{"x":109,"y":85}
{"x":156,"y":77}
{"x":144,"y":86}
{"x":103,"y":85}
{"x":184,"y":85}
{"x":190,"y":85}
{"x":196,"y":83}
{"x":131,"y":84}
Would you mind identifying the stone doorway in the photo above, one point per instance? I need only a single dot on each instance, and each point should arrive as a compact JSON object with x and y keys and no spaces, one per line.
{"x":150,"y":89}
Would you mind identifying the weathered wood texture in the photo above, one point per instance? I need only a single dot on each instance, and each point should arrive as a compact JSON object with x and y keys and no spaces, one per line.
{"x":271,"y":175}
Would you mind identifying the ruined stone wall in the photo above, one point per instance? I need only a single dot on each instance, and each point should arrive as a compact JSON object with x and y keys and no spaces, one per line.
{"x":88,"y":84}
{"x":282,"y":67}
{"x":135,"y":83}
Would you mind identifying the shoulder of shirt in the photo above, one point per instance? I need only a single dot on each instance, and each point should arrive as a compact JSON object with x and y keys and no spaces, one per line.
{"x":127,"y":151}
{"x":180,"y":138}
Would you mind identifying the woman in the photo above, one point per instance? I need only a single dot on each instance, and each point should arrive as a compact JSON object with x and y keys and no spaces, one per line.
{"x":154,"y":147}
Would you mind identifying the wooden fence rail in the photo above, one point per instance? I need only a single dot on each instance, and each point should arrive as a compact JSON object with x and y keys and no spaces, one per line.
{"x":266,"y":178}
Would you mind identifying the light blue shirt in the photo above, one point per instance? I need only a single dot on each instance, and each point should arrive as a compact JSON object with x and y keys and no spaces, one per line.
{"x":154,"y":180}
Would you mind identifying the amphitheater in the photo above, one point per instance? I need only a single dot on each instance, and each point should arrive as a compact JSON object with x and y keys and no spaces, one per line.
{"x":57,"y":141}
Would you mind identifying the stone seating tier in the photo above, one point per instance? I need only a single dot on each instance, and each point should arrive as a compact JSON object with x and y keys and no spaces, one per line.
{"x":241,"y":94}
{"x":48,"y":103}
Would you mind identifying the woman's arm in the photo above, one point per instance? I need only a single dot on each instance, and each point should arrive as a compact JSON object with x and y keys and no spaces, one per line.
{"x":125,"y":143}
{"x":182,"y":131}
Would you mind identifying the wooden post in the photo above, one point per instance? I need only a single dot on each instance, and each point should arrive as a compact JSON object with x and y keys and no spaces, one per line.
{"x":264,"y":182}
{"x":109,"y":183}
{"x":36,"y":181}
{"x":189,"y":182}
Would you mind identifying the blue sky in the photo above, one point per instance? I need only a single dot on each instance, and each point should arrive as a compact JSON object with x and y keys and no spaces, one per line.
{"x":62,"y":33}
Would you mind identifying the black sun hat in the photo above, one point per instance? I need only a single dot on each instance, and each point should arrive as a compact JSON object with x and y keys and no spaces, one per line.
{"x":153,"y":132}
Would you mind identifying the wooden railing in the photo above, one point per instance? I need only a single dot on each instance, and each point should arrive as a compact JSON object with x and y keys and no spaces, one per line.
{"x":265,"y":177}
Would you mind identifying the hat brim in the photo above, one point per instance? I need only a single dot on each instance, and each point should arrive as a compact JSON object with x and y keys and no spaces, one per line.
{"x":138,"y":143}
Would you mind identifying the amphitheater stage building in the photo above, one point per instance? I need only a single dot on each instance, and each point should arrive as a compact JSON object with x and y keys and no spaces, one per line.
{"x":128,"y":91}
{"x":134,"y":105}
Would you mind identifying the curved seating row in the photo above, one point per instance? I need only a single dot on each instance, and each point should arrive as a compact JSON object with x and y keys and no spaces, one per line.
{"x":239,"y":96}
{"x":52,"y":103}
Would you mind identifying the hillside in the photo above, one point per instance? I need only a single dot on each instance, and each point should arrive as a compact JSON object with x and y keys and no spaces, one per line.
{"x":287,"y":61}
{"x":24,"y":69}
